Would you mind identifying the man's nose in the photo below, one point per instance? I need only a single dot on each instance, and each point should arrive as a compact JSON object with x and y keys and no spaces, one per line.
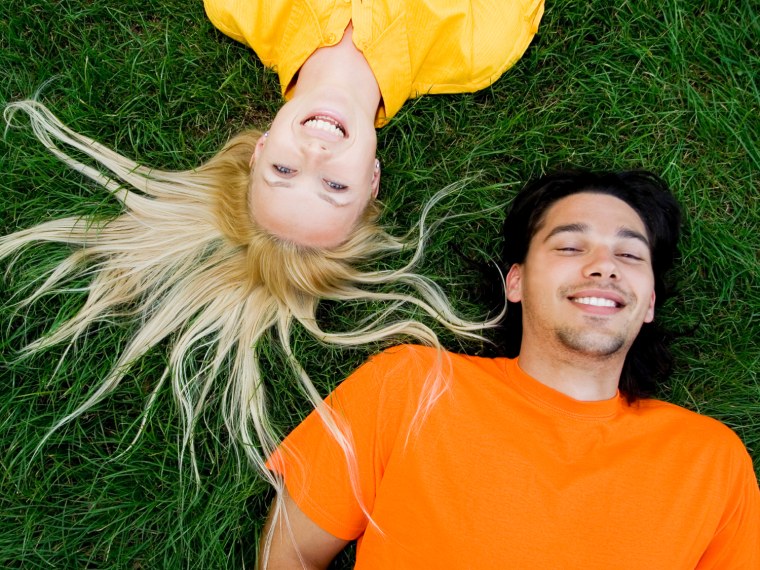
{"x":602,"y":263}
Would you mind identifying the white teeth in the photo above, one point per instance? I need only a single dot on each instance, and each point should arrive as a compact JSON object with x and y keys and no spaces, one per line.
{"x":595,"y":301}
{"x":323,"y":125}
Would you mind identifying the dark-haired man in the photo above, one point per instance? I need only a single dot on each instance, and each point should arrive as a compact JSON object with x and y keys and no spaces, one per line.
{"x":555,"y":459}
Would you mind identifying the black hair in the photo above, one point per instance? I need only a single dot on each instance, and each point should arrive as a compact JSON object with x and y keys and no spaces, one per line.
{"x":648,"y":361}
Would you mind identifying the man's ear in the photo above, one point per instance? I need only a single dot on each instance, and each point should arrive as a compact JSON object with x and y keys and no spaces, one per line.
{"x":649,"y":317}
{"x":514,"y":283}
{"x":375,"y":184}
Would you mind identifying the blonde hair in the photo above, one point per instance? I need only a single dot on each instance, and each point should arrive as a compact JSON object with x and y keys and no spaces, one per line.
{"x":186,"y":262}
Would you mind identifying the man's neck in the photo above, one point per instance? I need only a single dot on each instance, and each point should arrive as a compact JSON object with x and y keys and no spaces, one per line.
{"x":580,"y":376}
{"x":341,"y":67}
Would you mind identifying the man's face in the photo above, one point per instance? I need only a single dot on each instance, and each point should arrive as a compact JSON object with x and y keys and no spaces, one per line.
{"x":586,"y":285}
{"x":315,"y":173}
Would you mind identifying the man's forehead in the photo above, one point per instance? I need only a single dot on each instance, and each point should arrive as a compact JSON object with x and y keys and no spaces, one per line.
{"x":583,"y":211}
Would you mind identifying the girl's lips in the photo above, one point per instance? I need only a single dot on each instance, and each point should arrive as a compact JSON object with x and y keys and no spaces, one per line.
{"x":327,"y":123}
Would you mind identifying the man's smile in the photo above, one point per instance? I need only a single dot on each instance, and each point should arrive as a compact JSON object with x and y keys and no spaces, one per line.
{"x":595,"y":301}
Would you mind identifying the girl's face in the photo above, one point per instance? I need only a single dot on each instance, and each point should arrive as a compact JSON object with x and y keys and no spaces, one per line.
{"x":315,"y":171}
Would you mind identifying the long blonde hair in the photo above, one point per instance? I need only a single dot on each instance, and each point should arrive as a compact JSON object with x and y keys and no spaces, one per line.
{"x":187,"y":263}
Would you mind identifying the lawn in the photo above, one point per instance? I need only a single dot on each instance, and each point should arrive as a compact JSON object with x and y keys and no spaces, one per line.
{"x":669,"y":86}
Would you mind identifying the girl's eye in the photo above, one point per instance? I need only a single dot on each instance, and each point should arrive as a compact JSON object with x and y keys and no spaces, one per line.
{"x":335,"y":185}
{"x":282,"y":169}
{"x":630,"y":256}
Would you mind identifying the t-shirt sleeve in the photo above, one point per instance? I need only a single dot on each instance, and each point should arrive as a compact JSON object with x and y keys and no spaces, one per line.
{"x":254,"y":24}
{"x":736,"y":543}
{"x":334,"y":480}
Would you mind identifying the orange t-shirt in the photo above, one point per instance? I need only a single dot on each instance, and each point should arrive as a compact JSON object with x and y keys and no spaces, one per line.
{"x":505,"y":472}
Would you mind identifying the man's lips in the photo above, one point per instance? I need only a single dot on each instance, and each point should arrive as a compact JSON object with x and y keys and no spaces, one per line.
{"x":603,"y":299}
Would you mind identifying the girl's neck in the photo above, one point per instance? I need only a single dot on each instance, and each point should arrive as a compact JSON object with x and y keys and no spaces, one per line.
{"x":341,"y":67}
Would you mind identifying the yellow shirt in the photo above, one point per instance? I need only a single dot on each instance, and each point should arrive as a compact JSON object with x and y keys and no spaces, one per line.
{"x":414,"y":47}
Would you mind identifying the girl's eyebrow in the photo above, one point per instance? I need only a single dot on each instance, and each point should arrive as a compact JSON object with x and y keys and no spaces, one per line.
{"x":286,"y":184}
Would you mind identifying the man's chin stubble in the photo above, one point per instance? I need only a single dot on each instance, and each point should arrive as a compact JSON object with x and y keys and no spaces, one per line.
{"x":591,"y":344}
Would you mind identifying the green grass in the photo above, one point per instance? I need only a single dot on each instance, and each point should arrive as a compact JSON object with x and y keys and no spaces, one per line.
{"x":668,"y":86}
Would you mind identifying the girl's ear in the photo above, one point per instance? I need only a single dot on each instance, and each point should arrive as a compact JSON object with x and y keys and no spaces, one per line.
{"x":259,"y":147}
{"x":375,"y":184}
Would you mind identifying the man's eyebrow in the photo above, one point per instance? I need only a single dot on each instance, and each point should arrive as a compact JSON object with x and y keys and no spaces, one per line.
{"x":632,"y":234}
{"x":625,"y":233}
{"x":574,"y":228}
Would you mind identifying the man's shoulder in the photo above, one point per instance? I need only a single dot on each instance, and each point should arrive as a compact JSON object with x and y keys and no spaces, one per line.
{"x":691,"y":424}
{"x":410,"y":368}
{"x":416,"y":358}
{"x":400,"y":380}
{"x":423,"y":353}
